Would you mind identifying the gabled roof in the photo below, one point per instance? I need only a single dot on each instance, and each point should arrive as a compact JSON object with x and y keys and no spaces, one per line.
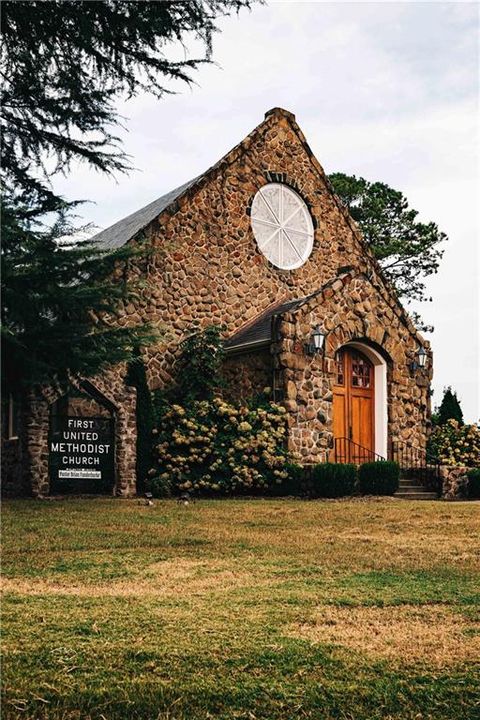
{"x":259,"y":331}
{"x":122,"y":231}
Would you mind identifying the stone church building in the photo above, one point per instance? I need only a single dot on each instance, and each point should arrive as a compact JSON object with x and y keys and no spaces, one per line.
{"x":261,"y":244}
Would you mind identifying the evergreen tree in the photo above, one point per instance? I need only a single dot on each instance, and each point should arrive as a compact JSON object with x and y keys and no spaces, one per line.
{"x":199,"y":375}
{"x":406,"y":248}
{"x":449,"y":408}
{"x":64,"y":63}
{"x":59,"y":305}
{"x":137,"y":377}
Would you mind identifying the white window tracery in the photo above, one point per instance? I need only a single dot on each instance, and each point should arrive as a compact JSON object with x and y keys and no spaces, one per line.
{"x":282,"y":226}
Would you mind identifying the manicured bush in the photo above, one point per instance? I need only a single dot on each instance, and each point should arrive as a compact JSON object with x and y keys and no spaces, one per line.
{"x":160,"y":487}
{"x":137,"y":377}
{"x":293,"y":483}
{"x":333,"y":480}
{"x":378,"y":478}
{"x":473,"y":487}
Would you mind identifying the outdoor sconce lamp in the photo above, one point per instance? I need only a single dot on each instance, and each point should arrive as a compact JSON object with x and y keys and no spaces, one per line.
{"x":420,"y":360}
{"x":317,"y":342}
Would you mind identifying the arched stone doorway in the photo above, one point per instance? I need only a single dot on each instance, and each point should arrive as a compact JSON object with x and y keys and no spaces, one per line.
{"x":359,"y":414}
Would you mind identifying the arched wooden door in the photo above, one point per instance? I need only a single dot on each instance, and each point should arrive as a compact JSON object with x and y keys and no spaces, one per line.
{"x":353,"y":407}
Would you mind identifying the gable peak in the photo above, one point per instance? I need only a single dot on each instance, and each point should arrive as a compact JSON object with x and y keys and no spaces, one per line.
{"x":280,"y":112}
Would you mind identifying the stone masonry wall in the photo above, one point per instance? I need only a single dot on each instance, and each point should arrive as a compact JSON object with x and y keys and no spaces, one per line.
{"x":13,"y":463}
{"x":350,"y":308}
{"x":13,"y":467}
{"x":205,"y":267}
{"x":84,"y":407}
{"x":454,"y":482}
{"x":247,"y":374}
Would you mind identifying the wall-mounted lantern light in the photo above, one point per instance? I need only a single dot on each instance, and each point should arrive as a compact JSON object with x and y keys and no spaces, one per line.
{"x":316,"y":343}
{"x":420,"y":360}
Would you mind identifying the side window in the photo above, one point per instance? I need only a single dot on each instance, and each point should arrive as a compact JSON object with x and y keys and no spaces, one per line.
{"x":12,"y":418}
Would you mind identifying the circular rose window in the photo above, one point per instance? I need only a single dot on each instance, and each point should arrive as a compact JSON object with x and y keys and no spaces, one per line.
{"x":282,"y":226}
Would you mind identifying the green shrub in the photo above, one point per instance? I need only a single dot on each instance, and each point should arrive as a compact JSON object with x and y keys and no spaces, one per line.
{"x":137,"y":377}
{"x":293,"y":483}
{"x":473,"y":487}
{"x":160,"y":487}
{"x":333,"y":480}
{"x":199,"y":374}
{"x":378,"y":478}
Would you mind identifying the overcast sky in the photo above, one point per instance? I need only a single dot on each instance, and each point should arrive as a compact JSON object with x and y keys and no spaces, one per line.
{"x":388,"y":91}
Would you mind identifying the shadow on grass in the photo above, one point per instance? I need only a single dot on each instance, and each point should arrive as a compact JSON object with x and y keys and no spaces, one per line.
{"x":291,"y":680}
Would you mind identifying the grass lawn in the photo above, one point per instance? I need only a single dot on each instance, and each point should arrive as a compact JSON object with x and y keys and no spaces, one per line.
{"x":358,"y":610}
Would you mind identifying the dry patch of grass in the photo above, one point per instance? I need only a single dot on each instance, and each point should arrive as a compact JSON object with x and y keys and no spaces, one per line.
{"x":432,"y":634}
{"x":169,"y":578}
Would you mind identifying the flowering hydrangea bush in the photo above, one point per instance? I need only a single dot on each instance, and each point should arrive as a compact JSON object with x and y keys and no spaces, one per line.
{"x":214,"y":446}
{"x":455,"y":444}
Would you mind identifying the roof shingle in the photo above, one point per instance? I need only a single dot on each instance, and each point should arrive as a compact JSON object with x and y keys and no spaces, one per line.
{"x":260,"y":330}
{"x":122,"y":231}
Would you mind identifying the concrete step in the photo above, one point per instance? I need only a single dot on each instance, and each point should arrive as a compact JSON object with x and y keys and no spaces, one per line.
{"x":411,"y":486}
{"x":416,"y":495}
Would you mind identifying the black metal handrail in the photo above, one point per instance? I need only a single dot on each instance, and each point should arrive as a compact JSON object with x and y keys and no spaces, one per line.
{"x":347,"y":451}
{"x":418,"y":464}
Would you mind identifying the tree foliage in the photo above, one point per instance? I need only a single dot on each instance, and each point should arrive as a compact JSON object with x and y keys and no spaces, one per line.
{"x":406,"y":248}
{"x":60,"y":303}
{"x":198,"y":375}
{"x":137,"y":378}
{"x":449,"y":409}
{"x":65,"y":62}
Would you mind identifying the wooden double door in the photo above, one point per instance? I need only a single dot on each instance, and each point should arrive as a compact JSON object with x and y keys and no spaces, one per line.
{"x":353,"y":407}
